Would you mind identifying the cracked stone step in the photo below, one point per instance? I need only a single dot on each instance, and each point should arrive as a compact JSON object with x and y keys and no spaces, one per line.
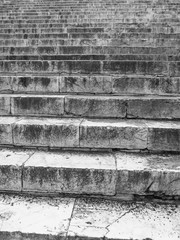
{"x":105,"y":173}
{"x":125,"y":107}
{"x":91,"y":133}
{"x":94,"y":84}
{"x":28,"y":218}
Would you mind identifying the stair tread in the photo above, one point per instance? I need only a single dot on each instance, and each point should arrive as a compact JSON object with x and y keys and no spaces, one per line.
{"x":28,"y":218}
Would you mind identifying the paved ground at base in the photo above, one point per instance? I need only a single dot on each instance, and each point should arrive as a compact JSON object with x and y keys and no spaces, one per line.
{"x":68,"y":218}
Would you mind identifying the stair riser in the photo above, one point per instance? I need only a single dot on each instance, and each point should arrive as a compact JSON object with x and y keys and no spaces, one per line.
{"x":91,"y":85}
{"x":93,"y":67}
{"x":92,"y":107}
{"x":71,"y":133}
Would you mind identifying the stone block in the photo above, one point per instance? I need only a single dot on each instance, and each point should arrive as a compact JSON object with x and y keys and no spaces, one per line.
{"x":163,"y":136}
{"x":6,"y":124}
{"x":47,"y":132}
{"x":151,"y":174}
{"x":113,"y":134}
{"x":86,"y":84}
{"x":70,"y":172}
{"x":5,"y":104}
{"x":154,"y":107}
{"x":11,"y":169}
{"x":35,"y":84}
{"x":37,"y":105}
{"x":92,"y":106}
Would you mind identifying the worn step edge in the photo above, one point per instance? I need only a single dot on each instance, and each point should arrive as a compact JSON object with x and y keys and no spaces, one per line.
{"x":91,"y":173}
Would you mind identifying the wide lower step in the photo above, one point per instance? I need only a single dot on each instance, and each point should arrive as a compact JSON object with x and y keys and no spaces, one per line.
{"x":114,"y":174}
{"x":94,"y":84}
{"x":119,"y":107}
{"x":30,"y":218}
{"x":93,"y":133}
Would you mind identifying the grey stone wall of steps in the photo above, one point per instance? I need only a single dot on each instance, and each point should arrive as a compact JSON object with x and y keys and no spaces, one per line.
{"x":90,"y":77}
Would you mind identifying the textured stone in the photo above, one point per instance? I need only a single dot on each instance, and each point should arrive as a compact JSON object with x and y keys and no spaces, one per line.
{"x":11,"y":168}
{"x":35,"y":84}
{"x":70,"y":172}
{"x":163,"y":136}
{"x":86,"y":84}
{"x":155,"y":174}
{"x":154,"y":107}
{"x":47,"y":132}
{"x":37,"y":105}
{"x":113,"y":134}
{"x":88,"y":106}
{"x":5,"y":105}
{"x":29,"y":218}
{"x":98,"y":219}
{"x":6,"y":124}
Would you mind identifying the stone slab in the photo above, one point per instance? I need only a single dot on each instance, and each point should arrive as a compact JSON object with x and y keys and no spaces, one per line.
{"x":11,"y":168}
{"x":163,"y":135}
{"x":70,"y":172}
{"x":98,"y":219}
{"x":47,"y":132}
{"x":34,"y":218}
{"x":6,"y":124}
{"x":113,"y":134}
{"x":155,"y":174}
{"x":95,"y":106}
{"x":42,"y":105}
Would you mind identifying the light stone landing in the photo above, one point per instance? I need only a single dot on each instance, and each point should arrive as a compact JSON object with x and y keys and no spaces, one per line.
{"x":35,"y":218}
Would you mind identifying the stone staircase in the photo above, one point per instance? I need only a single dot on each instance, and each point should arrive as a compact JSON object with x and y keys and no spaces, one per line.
{"x":90,"y":106}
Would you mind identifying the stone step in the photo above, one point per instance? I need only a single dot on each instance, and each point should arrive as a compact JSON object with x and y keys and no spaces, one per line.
{"x":94,"y":84}
{"x":169,"y":53}
{"x":89,"y":42}
{"x":90,"y":133}
{"x":29,"y":218}
{"x":98,"y":67}
{"x":114,"y":174}
{"x":119,"y":107}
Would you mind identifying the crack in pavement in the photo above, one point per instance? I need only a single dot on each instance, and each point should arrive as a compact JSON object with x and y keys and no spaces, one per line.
{"x":130,"y":210}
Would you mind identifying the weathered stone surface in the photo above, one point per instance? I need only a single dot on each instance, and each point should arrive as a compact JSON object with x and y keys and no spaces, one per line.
{"x":29,"y":218}
{"x":11,"y":168}
{"x":154,"y":108}
{"x":35,"y":84}
{"x":163,"y":136}
{"x":113,"y":134}
{"x":6,"y":124}
{"x":70,"y":172}
{"x":5,"y":105}
{"x":91,"y":106}
{"x":37,"y":105}
{"x":86,"y":84}
{"x":99,"y":219}
{"x":5,"y":84}
{"x":47,"y":132}
{"x":148,"y":174}
{"x":145,"y":85}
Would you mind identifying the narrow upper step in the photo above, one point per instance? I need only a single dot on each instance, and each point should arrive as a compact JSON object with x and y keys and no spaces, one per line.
{"x":47,"y":218}
{"x":91,"y":133}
